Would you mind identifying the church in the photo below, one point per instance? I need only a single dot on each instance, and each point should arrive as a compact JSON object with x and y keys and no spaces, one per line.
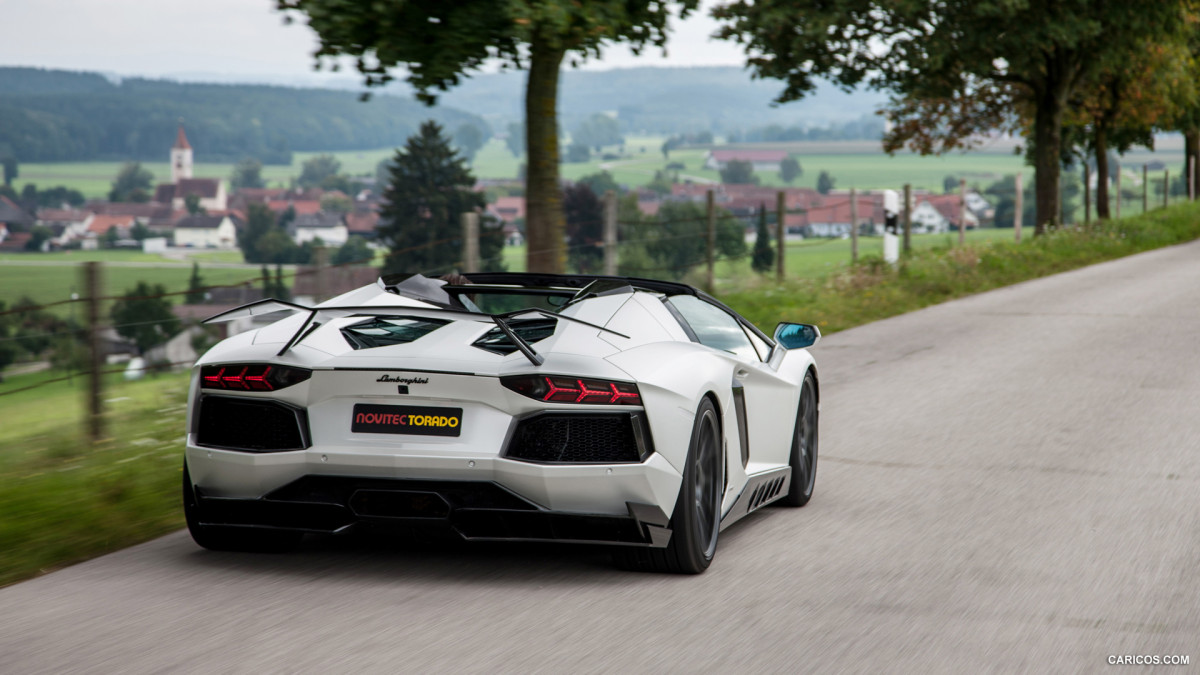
{"x":211,"y":191}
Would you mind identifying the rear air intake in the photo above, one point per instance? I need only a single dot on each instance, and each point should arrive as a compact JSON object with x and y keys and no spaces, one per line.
{"x":252,"y":425}
{"x":567,"y":438}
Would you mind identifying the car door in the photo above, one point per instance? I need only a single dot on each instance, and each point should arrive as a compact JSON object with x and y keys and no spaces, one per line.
{"x":765,"y":402}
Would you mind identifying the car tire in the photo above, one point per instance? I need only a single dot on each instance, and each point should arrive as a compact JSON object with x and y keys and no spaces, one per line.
{"x":696,"y":521}
{"x":804,"y":446}
{"x":216,"y":538}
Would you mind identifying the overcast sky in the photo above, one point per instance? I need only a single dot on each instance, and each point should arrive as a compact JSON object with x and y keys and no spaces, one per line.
{"x":237,"y":39}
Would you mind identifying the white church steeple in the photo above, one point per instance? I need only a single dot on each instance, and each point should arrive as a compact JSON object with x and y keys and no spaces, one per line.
{"x":181,"y":157}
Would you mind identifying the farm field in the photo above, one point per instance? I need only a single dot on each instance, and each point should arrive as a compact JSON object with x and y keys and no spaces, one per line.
{"x":858,"y":164}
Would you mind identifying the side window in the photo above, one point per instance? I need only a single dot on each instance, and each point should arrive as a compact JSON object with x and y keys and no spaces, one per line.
{"x":713,"y":326}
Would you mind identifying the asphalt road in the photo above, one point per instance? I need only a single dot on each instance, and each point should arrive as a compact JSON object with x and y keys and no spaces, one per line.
{"x":1008,"y":482}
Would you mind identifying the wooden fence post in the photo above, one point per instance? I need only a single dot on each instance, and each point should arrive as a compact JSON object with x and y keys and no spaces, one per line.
{"x":95,"y":400}
{"x":470,"y":226}
{"x":780,"y":234}
{"x":610,"y":233}
{"x":1166,"y":187}
{"x":962,"y":211}
{"x":1018,"y":208}
{"x":907,"y":218}
{"x":853,"y":226}
{"x":711,"y":209}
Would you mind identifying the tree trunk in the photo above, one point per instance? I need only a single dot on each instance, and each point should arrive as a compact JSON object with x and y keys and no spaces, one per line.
{"x":1191,"y":148}
{"x":544,"y":223}
{"x":1047,"y":134}
{"x":1101,"y":172}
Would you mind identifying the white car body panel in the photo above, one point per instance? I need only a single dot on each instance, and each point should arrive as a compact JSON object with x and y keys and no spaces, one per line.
{"x":673,"y":375}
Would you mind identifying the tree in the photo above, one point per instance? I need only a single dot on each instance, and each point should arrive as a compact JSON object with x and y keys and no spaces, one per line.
{"x":957,"y":68}
{"x":438,"y":43}
{"x":191,"y":202}
{"x":259,"y":220}
{"x":8,"y":348}
{"x":825,"y":183}
{"x":40,"y":235}
{"x":600,"y":183}
{"x":598,"y":131}
{"x":764,"y":255}
{"x":196,"y":293}
{"x":11,"y":169}
{"x":355,"y":251}
{"x":662,"y":182}
{"x":1124,"y":104}
{"x":246,"y":174}
{"x":738,"y":172}
{"x":145,"y":317}
{"x":585,"y":229}
{"x":139,"y":231}
{"x":268,"y":288}
{"x":336,"y":203}
{"x":675,"y":240}
{"x":468,"y":139}
{"x":949,"y":184}
{"x":430,"y":189}
{"x":789,"y":169}
{"x":132,"y":184}
{"x":516,"y":138}
{"x":110,"y":237}
{"x":316,"y":170}
{"x":577,"y":153}
{"x":282,"y":292}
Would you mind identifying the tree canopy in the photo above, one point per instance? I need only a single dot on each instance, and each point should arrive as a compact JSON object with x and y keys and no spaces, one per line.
{"x":438,"y":43}
{"x":956,"y":68}
{"x":421,"y":221}
{"x":145,"y":317}
{"x":247,"y":174}
{"x":132,"y":184}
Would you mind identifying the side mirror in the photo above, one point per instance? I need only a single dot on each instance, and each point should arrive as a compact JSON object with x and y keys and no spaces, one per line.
{"x":797,"y":335}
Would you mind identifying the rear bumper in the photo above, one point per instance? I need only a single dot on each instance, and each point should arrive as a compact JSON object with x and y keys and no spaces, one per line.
{"x":473,"y":510}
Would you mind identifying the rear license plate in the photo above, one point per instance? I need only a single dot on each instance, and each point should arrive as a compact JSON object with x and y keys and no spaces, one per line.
{"x":406,"y":419}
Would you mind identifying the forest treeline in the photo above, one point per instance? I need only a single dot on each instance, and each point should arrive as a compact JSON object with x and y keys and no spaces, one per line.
{"x":58,"y":116}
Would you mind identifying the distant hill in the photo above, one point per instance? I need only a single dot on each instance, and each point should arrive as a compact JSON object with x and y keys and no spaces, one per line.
{"x":54,"y":115}
{"x":666,"y":100}
{"x":659,"y":100}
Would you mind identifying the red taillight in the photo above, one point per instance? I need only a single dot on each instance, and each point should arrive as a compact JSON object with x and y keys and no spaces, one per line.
{"x":251,"y":376}
{"x":559,"y":389}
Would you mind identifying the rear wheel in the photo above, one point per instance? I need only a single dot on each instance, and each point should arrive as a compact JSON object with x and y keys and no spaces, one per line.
{"x":804,"y":447}
{"x":216,"y":538}
{"x":696,"y":521}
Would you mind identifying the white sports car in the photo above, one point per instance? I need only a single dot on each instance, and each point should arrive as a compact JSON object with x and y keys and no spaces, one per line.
{"x":629,"y":412}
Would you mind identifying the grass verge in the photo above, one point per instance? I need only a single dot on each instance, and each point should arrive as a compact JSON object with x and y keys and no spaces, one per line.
{"x":871,"y":289}
{"x":63,"y":500}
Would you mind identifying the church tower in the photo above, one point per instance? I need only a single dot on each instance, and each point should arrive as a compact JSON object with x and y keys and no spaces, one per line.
{"x":181,"y":157}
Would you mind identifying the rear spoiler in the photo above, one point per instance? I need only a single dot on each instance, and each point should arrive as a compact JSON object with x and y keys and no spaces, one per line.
{"x":323,"y":314}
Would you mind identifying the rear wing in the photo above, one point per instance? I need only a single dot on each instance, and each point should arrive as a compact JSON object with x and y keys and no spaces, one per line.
{"x":323,"y":314}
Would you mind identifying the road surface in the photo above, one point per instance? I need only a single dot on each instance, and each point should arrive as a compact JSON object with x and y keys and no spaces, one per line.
{"x":1008,"y":482}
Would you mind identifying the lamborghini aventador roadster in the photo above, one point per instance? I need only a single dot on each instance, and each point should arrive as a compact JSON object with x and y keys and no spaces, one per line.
{"x":642,"y":415}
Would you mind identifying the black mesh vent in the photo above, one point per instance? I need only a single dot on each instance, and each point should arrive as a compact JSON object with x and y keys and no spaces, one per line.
{"x":565,"y":438}
{"x":250,"y":424}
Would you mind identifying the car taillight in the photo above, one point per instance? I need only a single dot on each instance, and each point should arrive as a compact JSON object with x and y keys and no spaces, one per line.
{"x":251,"y":376}
{"x":559,"y":389}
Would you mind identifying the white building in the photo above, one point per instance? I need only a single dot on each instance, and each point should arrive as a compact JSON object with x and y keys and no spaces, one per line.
{"x":205,"y":231}
{"x":330,"y":228}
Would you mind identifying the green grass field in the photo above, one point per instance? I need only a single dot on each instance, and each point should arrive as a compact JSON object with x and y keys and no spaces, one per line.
{"x":56,"y":281}
{"x":859,"y":164}
{"x":65,"y":500}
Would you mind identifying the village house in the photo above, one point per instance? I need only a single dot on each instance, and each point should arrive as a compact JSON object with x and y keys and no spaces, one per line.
{"x":206,"y":231}
{"x":762,"y":160}
{"x":330,"y":228}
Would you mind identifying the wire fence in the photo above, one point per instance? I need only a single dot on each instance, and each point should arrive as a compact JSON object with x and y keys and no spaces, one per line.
{"x":677,"y":246}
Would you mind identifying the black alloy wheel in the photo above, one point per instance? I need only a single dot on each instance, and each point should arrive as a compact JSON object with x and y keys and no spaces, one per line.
{"x":696,"y":521}
{"x":804,"y":447}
